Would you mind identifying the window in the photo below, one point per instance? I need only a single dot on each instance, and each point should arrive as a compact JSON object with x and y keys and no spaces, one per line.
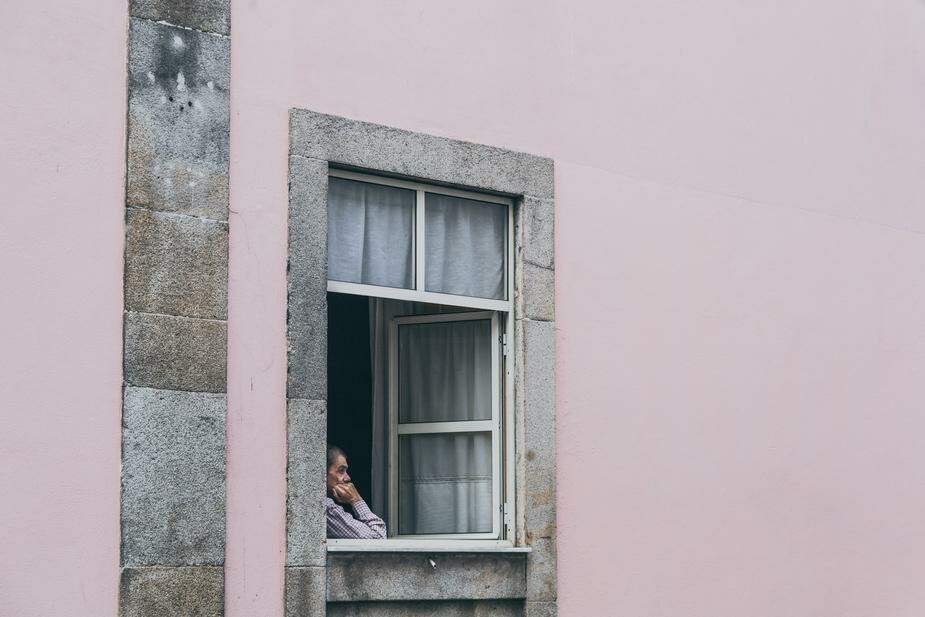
{"x":445,"y":425}
{"x":434,"y":265}
{"x":397,"y":239}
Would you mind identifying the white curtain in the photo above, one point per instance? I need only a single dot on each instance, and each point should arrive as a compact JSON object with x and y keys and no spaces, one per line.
{"x":381,"y":312}
{"x":444,"y":371}
{"x":464,"y":247}
{"x":445,"y":483}
{"x":370,"y":231}
{"x":444,"y":375}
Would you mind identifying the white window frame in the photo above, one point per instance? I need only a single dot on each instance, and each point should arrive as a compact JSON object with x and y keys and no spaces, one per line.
{"x":419,"y":294}
{"x":503,"y":447}
{"x":492,"y":426}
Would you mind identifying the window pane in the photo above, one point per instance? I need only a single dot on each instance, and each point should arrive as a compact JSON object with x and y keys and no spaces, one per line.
{"x":370,"y":231}
{"x":445,"y":483}
{"x":464,"y":248}
{"x":444,"y":371}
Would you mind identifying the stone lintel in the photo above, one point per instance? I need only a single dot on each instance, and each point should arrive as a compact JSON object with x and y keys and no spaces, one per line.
{"x":418,"y":155}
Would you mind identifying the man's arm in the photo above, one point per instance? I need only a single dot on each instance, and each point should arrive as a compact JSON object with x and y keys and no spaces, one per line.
{"x":365,"y":526}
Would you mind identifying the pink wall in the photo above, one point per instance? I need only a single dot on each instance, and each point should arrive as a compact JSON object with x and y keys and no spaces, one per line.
{"x":740,"y":285}
{"x":62,"y":153}
{"x":740,"y":293}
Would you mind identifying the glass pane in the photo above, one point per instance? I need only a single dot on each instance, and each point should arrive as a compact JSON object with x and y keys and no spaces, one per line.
{"x":445,"y":483}
{"x":444,"y":371}
{"x":370,"y":231}
{"x":464,"y":247}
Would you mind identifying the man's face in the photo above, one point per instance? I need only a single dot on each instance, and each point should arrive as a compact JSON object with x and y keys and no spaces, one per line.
{"x":337,"y":473}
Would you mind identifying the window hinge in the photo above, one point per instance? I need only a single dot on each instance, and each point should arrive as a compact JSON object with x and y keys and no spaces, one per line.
{"x":504,"y":345}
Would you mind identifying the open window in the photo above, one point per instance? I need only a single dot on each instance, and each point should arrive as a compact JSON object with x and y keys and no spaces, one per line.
{"x":419,"y":385}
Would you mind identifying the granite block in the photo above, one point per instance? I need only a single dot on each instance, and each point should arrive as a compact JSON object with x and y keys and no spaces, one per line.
{"x":305,"y":592}
{"x":538,"y":220}
{"x":173,"y":477}
{"x":175,"y":353}
{"x":178,"y":120}
{"x":177,"y":265}
{"x":377,"y":576}
{"x":306,"y":524}
{"x":206,"y":15}
{"x":538,"y":291}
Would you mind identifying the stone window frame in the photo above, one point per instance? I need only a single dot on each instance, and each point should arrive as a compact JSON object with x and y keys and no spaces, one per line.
{"x":525,"y":573}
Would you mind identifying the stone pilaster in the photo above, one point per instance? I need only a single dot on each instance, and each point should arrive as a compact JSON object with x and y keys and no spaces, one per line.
{"x":176,"y":309}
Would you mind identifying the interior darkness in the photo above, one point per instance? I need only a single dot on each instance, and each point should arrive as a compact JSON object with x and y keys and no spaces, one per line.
{"x":350,"y":385}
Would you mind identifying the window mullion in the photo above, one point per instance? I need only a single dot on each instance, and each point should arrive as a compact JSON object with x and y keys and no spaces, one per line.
{"x":419,"y":241}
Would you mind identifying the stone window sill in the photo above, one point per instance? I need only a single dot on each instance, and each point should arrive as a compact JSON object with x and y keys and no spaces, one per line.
{"x":423,"y":546}
{"x":382,"y":576}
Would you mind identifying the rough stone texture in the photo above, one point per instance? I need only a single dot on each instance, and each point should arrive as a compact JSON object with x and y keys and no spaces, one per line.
{"x":308,"y":354}
{"x":308,"y":312}
{"x":538,"y":402}
{"x":356,"y":577}
{"x":178,"y":127}
{"x":451,"y":608}
{"x":305,"y":592}
{"x":431,"y":158}
{"x":306,"y":525}
{"x":541,"y":570}
{"x":308,"y":232}
{"x":172,"y":592}
{"x":538,"y":220}
{"x":175,"y":353}
{"x":176,"y":264}
{"x":206,"y":15}
{"x":541,"y":609}
{"x":173,"y":478}
{"x":539,"y":291}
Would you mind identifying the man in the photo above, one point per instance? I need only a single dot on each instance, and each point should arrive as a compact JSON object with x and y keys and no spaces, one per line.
{"x":362,"y":523}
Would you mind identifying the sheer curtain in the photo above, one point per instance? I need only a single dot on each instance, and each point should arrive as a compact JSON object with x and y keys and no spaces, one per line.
{"x":464,"y":246}
{"x":381,"y":312}
{"x":445,"y":482}
{"x":370,"y":231}
{"x":444,"y":371}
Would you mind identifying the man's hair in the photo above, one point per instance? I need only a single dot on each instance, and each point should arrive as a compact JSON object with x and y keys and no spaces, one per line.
{"x":333,"y":453}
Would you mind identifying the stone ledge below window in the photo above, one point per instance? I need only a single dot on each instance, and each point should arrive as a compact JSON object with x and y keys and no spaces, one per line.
{"x":425,"y":575}
{"x":423,"y":546}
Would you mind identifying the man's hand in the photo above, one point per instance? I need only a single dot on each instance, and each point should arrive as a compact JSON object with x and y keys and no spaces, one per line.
{"x":346,"y":494}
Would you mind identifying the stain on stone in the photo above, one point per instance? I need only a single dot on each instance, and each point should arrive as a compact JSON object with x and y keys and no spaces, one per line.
{"x":177,"y":59}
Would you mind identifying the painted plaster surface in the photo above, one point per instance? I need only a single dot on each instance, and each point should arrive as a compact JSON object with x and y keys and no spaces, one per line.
{"x":738,"y":292}
{"x":62,"y":156}
{"x":738,"y":283}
